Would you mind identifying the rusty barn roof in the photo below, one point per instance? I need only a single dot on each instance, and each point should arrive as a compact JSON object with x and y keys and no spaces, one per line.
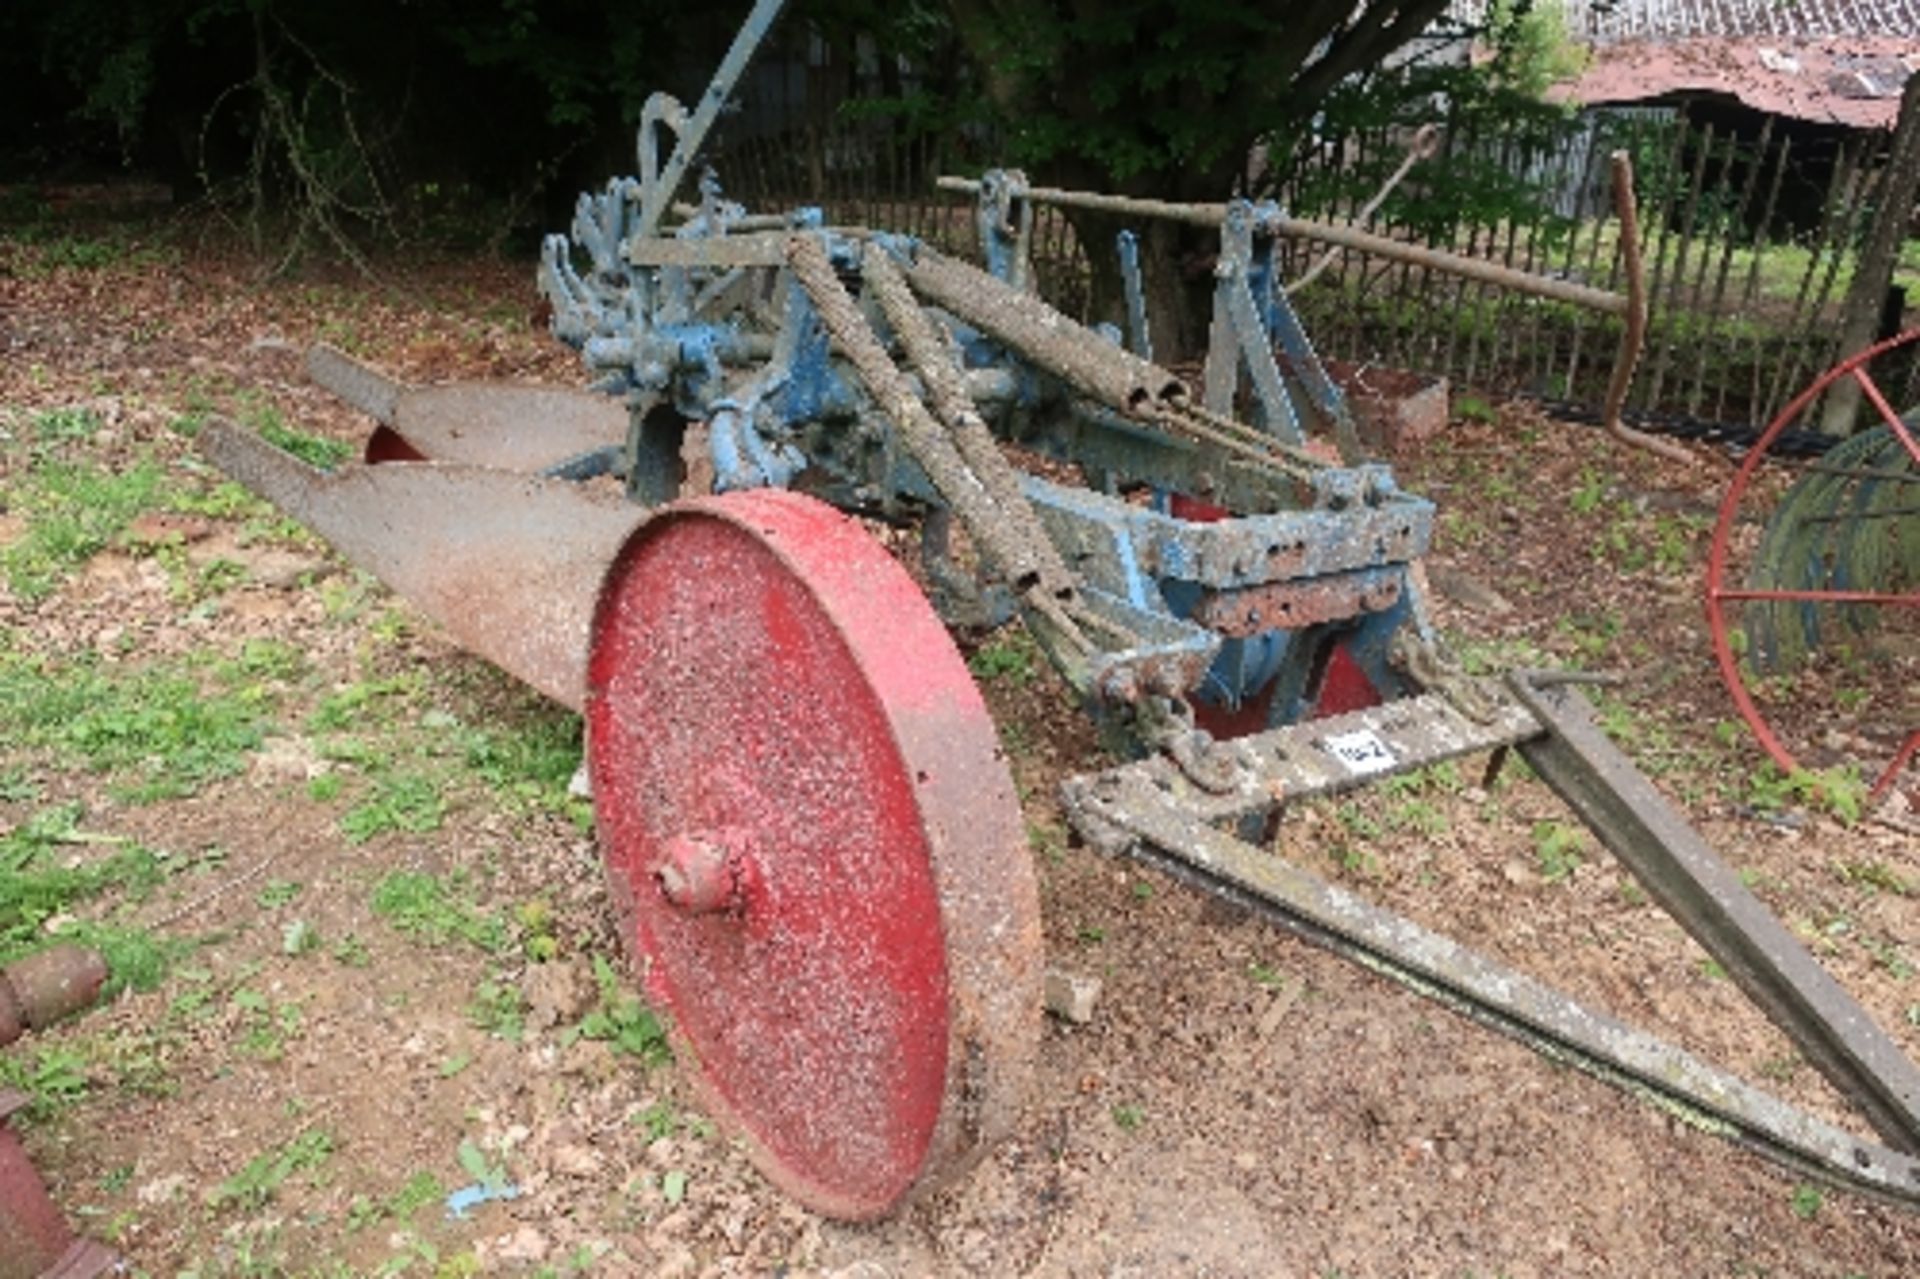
{"x":1854,"y":82}
{"x":1607,"y":21}
{"x":1840,"y":62}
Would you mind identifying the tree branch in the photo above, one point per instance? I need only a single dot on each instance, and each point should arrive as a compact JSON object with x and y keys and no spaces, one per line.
{"x":1367,"y":41}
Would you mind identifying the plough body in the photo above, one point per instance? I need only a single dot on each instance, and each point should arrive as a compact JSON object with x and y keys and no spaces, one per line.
{"x":809,"y":830}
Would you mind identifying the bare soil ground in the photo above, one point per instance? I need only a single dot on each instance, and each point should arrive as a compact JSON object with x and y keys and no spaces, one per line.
{"x":385,"y":927}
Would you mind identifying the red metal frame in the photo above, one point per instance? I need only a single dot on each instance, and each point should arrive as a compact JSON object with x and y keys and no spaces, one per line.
{"x":1718,"y":594}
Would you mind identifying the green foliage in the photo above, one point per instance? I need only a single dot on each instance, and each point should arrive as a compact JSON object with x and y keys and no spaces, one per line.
{"x":436,"y":910}
{"x":355,"y":705}
{"x":166,"y":730}
{"x":489,"y":1174}
{"x":54,"y":1076}
{"x":1875,"y":876}
{"x":297,"y":937}
{"x":264,"y":1027}
{"x":498,"y":1009}
{"x":314,"y":450}
{"x":73,"y":508}
{"x":344,"y":117}
{"x":421,"y":1189}
{"x":258,"y":1184}
{"x":1473,"y":408}
{"x":1009,"y":659}
{"x":1532,"y":49}
{"x":42,"y":878}
{"x":537,"y":937}
{"x":398,"y":802}
{"x":1494,"y":122}
{"x":277,"y":893}
{"x":529,"y":760}
{"x":1099,"y":62}
{"x":622,"y":1021}
{"x":1558,"y":847}
{"x":1839,"y":790}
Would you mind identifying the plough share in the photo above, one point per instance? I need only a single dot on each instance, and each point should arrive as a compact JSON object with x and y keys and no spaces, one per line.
{"x":811,"y":837}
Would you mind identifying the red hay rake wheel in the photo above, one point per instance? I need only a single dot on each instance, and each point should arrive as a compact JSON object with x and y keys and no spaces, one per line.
{"x":815,"y":846}
{"x":1838,"y":561}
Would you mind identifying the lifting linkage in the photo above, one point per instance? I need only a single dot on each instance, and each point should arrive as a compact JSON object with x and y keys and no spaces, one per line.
{"x":1241,"y":220}
{"x":744,"y":334}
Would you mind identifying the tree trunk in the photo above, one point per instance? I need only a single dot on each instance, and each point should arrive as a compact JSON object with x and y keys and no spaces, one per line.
{"x":1176,"y":263}
{"x":1860,"y":322}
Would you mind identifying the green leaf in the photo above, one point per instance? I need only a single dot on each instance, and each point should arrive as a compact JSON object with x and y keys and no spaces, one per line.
{"x":473,"y":1161}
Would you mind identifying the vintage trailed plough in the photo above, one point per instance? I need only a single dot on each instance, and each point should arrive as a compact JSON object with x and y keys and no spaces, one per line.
{"x":813,"y":841}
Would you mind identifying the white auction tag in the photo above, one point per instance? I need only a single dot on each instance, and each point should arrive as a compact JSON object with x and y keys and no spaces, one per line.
{"x":1361,"y":752}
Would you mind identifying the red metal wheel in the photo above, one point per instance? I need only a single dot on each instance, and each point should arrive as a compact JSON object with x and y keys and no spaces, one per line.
{"x":1840,"y":554}
{"x":815,"y":846}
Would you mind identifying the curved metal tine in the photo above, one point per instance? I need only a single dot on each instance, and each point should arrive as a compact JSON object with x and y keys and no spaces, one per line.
{"x":655,"y":202}
{"x":1908,"y":752}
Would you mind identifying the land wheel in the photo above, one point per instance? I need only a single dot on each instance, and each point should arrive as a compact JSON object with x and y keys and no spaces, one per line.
{"x":814,"y":845}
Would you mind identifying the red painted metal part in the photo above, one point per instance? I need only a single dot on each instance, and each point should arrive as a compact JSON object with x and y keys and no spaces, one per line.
{"x":1344,"y":686}
{"x":34,"y":1240}
{"x":37,"y":991}
{"x":35,"y":1243}
{"x":1719,"y":594}
{"x":815,"y":846}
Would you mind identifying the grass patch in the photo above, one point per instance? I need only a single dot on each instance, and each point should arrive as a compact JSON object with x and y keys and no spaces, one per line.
{"x":162,"y":731}
{"x":1558,"y":848}
{"x":529,"y":764}
{"x":256,"y":1185}
{"x":1011,"y":659}
{"x":624,"y":1023}
{"x":398,"y":802}
{"x":73,"y":511}
{"x":437,"y":911}
{"x":41,"y":878}
{"x":421,"y":1189}
{"x":368,"y":701}
{"x":1839,"y":791}
{"x":314,"y":450}
{"x":55,"y":1076}
{"x":498,"y":1009}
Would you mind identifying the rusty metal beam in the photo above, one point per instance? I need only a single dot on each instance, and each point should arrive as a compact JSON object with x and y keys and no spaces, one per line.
{"x":1346,"y":237}
{"x":1149,"y":822}
{"x":1706,"y":897}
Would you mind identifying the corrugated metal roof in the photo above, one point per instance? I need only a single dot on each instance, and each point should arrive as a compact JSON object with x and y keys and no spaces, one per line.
{"x":1606,"y":21}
